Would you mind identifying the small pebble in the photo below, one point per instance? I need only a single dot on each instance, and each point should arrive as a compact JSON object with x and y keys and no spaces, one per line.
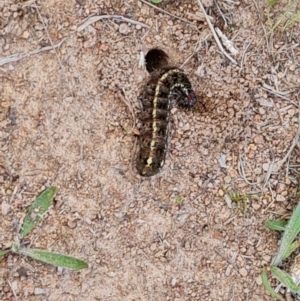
{"x":153,"y":247}
{"x":258,"y":280}
{"x":5,"y":208}
{"x":280,"y":188}
{"x":6,"y":289}
{"x":123,"y":28}
{"x":25,"y":34}
{"x":72,"y":225}
{"x":39,"y":291}
{"x":280,"y":198}
{"x":243,"y":272}
{"x":227,"y":179}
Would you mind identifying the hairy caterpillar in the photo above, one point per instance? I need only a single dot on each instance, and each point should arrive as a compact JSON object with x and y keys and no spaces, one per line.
{"x":166,"y":85}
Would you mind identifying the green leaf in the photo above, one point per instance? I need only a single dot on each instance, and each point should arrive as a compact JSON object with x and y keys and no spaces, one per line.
{"x":285,"y":279}
{"x":272,"y":2}
{"x":292,"y":248}
{"x":2,"y":254}
{"x":55,"y":259}
{"x":37,"y":209}
{"x":276,"y":224}
{"x":15,"y":248}
{"x":291,"y":231}
{"x":268,"y":286}
{"x":156,"y":1}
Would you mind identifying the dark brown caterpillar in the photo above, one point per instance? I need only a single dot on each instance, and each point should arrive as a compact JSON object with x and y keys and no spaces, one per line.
{"x":166,"y":85}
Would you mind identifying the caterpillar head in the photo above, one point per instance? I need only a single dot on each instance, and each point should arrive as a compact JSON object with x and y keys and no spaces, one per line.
{"x":192,"y":98}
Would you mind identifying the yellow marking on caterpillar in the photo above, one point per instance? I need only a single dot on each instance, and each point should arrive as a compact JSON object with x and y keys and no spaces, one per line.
{"x":172,"y":71}
{"x":182,"y":86}
{"x":149,"y":161}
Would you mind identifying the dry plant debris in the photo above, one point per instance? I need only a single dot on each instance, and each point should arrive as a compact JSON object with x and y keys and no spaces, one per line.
{"x":64,"y":123}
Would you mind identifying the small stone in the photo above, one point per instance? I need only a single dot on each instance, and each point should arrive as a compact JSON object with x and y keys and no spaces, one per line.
{"x":255,"y":206}
{"x":14,"y":7}
{"x":280,"y":198}
{"x":227,"y":179}
{"x":291,"y":112}
{"x":25,"y":35}
{"x":221,"y":192}
{"x":153,"y":247}
{"x":267,"y":258}
{"x":72,"y":224}
{"x":138,"y":27}
{"x":29,"y":288}
{"x":173,"y":281}
{"x":69,"y":99}
{"x":123,"y":28}
{"x":259,"y":139}
{"x":251,"y":155}
{"x":6,"y":289}
{"x":257,"y":118}
{"x":59,"y":270}
{"x":187,"y":127}
{"x":258,"y":280}
{"x":243,"y":272}
{"x":39,"y":291}
{"x":280,"y":188}
{"x":5,"y":208}
{"x":103,"y":47}
{"x":280,"y":75}
{"x":14,"y":285}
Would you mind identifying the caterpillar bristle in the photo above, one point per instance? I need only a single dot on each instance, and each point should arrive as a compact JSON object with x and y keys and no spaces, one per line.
{"x":155,"y":59}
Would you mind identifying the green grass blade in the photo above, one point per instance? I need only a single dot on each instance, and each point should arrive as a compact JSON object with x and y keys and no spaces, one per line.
{"x":55,"y":259}
{"x":276,"y":224}
{"x":268,"y":286}
{"x":292,"y":248}
{"x":272,"y":2}
{"x":283,"y":15}
{"x":2,"y":254}
{"x":291,"y":231}
{"x":285,"y":279}
{"x":156,"y":1}
{"x":37,"y":209}
{"x":293,"y":19}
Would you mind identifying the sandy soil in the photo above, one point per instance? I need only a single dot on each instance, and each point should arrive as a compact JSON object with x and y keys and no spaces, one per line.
{"x":65,"y":122}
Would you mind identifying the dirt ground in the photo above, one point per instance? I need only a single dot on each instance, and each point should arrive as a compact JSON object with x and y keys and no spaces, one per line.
{"x":66,"y":121}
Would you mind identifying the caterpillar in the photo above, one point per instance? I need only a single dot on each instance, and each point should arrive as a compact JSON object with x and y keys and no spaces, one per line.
{"x":166,"y":85}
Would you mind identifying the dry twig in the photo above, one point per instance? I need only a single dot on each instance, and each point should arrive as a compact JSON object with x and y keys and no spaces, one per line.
{"x":48,"y":35}
{"x":128,"y":104}
{"x":242,"y":172}
{"x":15,"y":295}
{"x":94,"y":19}
{"x":227,"y":43}
{"x":280,"y":94}
{"x":215,"y":35}
{"x":167,"y":13}
{"x":277,"y":165}
{"x":18,"y":56}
